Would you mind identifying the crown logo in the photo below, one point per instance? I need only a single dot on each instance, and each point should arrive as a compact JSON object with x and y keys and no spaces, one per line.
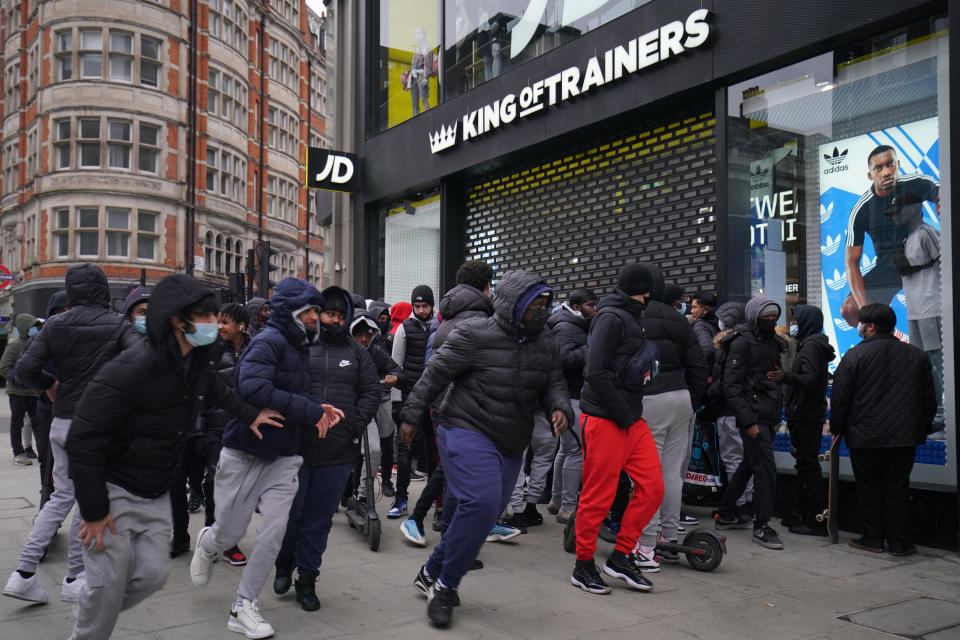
{"x":443,"y":139}
{"x":837,"y":156}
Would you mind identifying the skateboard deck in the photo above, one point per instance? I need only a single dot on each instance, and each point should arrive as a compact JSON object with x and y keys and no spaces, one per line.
{"x":832,"y":512}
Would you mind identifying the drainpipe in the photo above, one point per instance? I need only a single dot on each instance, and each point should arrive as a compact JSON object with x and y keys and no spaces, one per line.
{"x":191,"y":212}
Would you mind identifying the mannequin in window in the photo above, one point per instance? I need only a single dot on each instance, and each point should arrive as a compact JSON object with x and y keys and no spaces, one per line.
{"x":489,"y":33}
{"x":421,"y":68}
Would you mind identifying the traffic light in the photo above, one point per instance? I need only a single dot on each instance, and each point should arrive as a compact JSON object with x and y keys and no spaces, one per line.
{"x":264,"y":267}
{"x":236,"y":280}
{"x":251,"y":271}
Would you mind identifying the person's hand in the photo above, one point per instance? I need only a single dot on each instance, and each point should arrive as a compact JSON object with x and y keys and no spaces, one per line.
{"x":90,"y":531}
{"x":52,"y":391}
{"x":753,"y":431}
{"x":266,"y":416}
{"x":331,"y":416}
{"x":407,"y":432}
{"x":559,"y":421}
{"x":390,"y":380}
{"x":776,"y":375}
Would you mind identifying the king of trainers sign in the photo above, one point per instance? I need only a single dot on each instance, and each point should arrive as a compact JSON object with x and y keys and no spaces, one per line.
{"x":634,"y":56}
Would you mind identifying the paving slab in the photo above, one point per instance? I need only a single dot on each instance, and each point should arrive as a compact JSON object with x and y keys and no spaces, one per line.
{"x":912,"y":618}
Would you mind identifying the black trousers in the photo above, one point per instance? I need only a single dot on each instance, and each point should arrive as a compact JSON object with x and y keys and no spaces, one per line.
{"x":432,"y":491}
{"x":882,"y":477}
{"x":20,"y":406}
{"x":189,"y":469}
{"x":41,"y":435}
{"x":425,"y":443}
{"x":810,"y":498}
{"x":759,"y":463}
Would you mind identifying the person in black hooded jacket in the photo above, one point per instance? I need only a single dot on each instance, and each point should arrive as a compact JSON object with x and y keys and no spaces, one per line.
{"x":123,"y":443}
{"x":806,"y":409}
{"x":342,"y":372}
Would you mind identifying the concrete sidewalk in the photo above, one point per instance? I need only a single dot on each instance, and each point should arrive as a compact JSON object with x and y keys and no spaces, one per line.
{"x":812,"y":589}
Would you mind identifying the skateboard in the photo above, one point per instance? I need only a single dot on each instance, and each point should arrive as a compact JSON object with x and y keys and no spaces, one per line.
{"x":831,"y":513}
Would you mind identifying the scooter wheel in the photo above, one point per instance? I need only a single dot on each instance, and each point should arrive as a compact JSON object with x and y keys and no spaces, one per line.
{"x":570,"y":534}
{"x":373,"y":534}
{"x":712,"y":551}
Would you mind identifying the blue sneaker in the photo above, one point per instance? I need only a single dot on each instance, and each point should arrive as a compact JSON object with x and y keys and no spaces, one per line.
{"x":398,"y":509}
{"x":500,"y":533}
{"x":412,"y":532}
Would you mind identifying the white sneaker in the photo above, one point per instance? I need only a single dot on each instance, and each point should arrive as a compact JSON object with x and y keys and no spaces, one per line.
{"x":246,"y":619}
{"x":70,"y":591}
{"x":646,"y":559}
{"x":28,"y":589}
{"x":201,"y":566}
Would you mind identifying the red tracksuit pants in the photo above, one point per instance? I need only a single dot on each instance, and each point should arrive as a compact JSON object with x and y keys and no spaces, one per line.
{"x":608,"y":449}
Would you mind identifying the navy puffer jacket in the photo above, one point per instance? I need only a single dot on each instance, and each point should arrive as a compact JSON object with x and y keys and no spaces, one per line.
{"x":273,"y":372}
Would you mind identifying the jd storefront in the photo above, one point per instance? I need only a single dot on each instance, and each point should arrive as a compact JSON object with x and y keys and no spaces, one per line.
{"x":737,"y":164}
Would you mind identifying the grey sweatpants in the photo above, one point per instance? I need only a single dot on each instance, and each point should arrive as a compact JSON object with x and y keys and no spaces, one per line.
{"x":730,"y":446}
{"x":568,"y":465}
{"x":373,"y":437}
{"x":56,"y":510}
{"x":244,"y":482}
{"x":544,"y":446}
{"x":668,"y":416}
{"x":133,"y":564}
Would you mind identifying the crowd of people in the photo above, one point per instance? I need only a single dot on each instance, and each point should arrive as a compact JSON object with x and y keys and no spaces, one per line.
{"x":177,"y":404}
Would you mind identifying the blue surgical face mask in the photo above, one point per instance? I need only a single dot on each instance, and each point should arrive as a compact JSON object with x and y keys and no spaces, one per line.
{"x":683,"y":309}
{"x":794,"y":329}
{"x":32,"y":331}
{"x":204,"y":333}
{"x":140,"y":324}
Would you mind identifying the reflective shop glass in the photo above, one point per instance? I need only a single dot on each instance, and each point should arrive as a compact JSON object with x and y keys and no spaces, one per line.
{"x":484,"y":38}
{"x":408,"y":59}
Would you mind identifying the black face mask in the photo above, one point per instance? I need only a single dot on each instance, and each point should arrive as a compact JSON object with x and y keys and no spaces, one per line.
{"x":537,"y":322}
{"x":311,"y":333}
{"x":766,"y":327}
{"x":327,"y":332}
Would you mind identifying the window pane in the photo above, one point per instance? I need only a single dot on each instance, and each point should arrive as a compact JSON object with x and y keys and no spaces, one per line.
{"x":119,"y":129}
{"x":63,"y":156}
{"x":117,"y":243}
{"x":90,"y":154}
{"x":118,"y":218}
{"x":91,"y":39}
{"x":118,"y":156}
{"x":89,"y":128}
{"x":150,"y":48}
{"x":121,"y":68}
{"x":63,"y":245}
{"x":63,"y":130}
{"x":65,"y":64}
{"x":149,"y":71}
{"x":88,"y":217}
{"x":146,"y":247}
{"x":90,"y":65}
{"x":121,"y":42}
{"x":147,"y":222}
{"x":87,"y":243}
{"x":211,"y":179}
{"x":65,"y":40}
{"x":63,"y":218}
{"x":147,"y":160}
{"x":149,"y":134}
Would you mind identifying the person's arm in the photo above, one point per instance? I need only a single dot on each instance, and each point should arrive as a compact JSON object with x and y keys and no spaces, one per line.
{"x":368,"y":390}
{"x":736,"y":383}
{"x":556,"y":398}
{"x":573,"y":355}
{"x":701,"y":329}
{"x":844,"y":387}
{"x":29,"y":366}
{"x":255,"y":373}
{"x":694,"y":365}
{"x":606,"y":332}
{"x":854,"y":277}
{"x":399,"y":353}
{"x":454,"y":356}
{"x":804,"y":370}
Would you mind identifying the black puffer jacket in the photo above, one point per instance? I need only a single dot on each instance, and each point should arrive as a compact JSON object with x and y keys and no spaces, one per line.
{"x":806,"y":381}
{"x":343,"y":374}
{"x":223,"y":358}
{"x":460,"y":303}
{"x":497,"y":376}
{"x":705,"y":329}
{"x":133,"y":415}
{"x":754,"y":398}
{"x":78,"y":341}
{"x":570,"y":332}
{"x":616,"y":334}
{"x":682,"y":364}
{"x":883,"y":394}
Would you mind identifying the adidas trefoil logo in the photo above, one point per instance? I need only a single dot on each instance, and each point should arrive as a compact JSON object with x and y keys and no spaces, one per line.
{"x":443,"y":139}
{"x":832,"y":245}
{"x":838,"y":281}
{"x":826,"y":212}
{"x":837,"y":157}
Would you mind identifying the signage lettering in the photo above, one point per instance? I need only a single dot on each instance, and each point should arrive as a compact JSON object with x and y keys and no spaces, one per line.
{"x":332,"y":170}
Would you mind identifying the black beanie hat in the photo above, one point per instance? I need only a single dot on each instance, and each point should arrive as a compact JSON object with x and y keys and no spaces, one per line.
{"x":335,"y":302}
{"x":637,"y":278}
{"x":422,"y":293}
{"x":672,"y":292}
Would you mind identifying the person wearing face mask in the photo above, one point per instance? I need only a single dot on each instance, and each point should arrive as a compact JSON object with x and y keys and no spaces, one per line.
{"x":342,"y":372}
{"x":756,"y":399}
{"x":883,"y":402}
{"x":494,"y":374}
{"x":23,"y":401}
{"x":259,"y":467}
{"x":135,"y":309}
{"x":123,"y":443}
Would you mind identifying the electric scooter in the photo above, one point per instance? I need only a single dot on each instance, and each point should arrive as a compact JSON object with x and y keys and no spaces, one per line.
{"x":364,"y":516}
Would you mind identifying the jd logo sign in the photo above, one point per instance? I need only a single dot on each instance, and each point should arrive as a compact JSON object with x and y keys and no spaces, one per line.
{"x":332,"y":170}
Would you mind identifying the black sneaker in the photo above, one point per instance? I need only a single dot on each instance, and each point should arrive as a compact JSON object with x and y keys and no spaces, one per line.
{"x":387,"y":489}
{"x":30,"y":453}
{"x":195,"y":503}
{"x":627,"y":569}
{"x":668,"y":555}
{"x":900,"y":549}
{"x":442,"y":600}
{"x":687,"y":519}
{"x":765,"y":536}
{"x":423,"y":583}
{"x":873,"y":545}
{"x":738,"y":521}
{"x":587,"y":577}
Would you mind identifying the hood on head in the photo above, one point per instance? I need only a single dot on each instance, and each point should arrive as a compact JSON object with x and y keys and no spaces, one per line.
{"x":464,"y":297}
{"x":57,"y":301}
{"x":289,"y":295}
{"x":731,"y":314}
{"x":809,"y":320}
{"x":22,"y":323}
{"x":173,"y":293}
{"x":254,"y":305}
{"x":671,"y":293}
{"x":135,"y":297}
{"x":87,"y":286}
{"x":376,"y":308}
{"x":359,"y":302}
{"x":361,"y":317}
{"x":398,"y":313}
{"x":753,"y":308}
{"x":333,"y":292}
{"x":510,"y":289}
